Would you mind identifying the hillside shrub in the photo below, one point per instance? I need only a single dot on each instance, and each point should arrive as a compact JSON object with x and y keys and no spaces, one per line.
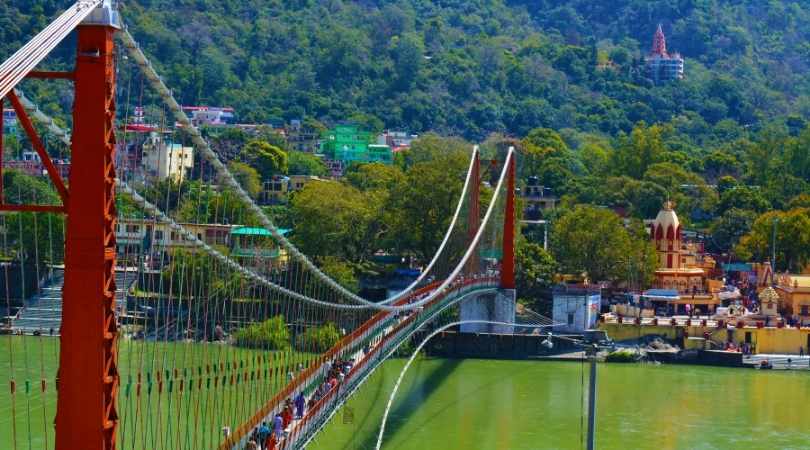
{"x":318,"y":339}
{"x":272,"y":334}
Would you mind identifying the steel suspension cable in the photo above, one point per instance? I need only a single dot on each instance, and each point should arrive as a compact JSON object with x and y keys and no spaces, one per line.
{"x":162,"y":217}
{"x":225,"y":175}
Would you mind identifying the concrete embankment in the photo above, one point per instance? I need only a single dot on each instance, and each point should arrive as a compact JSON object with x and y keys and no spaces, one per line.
{"x":497,"y":346}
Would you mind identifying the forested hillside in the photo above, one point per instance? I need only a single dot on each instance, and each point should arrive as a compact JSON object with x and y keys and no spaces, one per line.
{"x":562,"y":80}
{"x":468,"y":67}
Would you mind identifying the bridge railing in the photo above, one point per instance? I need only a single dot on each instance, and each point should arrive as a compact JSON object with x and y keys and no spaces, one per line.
{"x":315,"y":418}
{"x":316,"y":371}
{"x":383,"y":328}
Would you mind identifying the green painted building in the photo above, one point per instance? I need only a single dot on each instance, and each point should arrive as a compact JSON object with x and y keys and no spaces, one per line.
{"x":348,"y":144}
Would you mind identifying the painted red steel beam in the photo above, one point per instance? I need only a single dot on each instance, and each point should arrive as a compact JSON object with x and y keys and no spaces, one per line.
{"x":47,"y":75}
{"x":86,"y":416}
{"x":508,"y":257}
{"x":33,"y":208}
{"x":53,"y":174}
{"x":474,"y":213}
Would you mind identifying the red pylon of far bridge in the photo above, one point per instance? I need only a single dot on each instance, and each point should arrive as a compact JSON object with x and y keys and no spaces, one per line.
{"x":508,"y":257}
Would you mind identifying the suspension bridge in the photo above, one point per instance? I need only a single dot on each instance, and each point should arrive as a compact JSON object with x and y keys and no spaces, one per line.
{"x":167,"y":337}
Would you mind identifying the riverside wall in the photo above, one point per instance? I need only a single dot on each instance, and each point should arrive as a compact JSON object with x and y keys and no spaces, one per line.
{"x":496,"y":346}
{"x":768,"y":340}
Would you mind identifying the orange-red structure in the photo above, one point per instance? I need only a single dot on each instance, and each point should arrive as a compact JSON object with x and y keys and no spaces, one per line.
{"x":508,"y":257}
{"x":474,"y":212}
{"x":86,"y":416}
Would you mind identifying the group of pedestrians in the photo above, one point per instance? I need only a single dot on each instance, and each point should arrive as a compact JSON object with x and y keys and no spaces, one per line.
{"x":268,"y":436}
{"x":335,"y":375}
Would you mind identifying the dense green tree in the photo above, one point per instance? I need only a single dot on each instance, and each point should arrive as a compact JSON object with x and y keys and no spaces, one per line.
{"x":534,"y":275}
{"x":267,"y":159}
{"x":423,"y":205}
{"x":335,"y":219}
{"x":193,"y":273}
{"x":203,"y":204}
{"x":742,"y":197}
{"x":639,"y":150}
{"x":375,"y":177}
{"x":730,"y":227}
{"x":247,"y":177}
{"x":32,"y":237}
{"x":719,"y":164}
{"x":271,"y":334}
{"x":300,"y":163}
{"x":432,"y":147}
{"x":594,"y":241}
{"x":792,"y":239}
{"x":340,"y":271}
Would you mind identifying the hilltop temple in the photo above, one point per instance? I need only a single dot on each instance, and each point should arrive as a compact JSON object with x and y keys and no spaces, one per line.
{"x":661,"y":66}
{"x":682,"y":277}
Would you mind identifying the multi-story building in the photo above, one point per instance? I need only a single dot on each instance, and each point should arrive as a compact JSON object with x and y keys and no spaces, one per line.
{"x":301,"y":138}
{"x":274,"y":191}
{"x":397,"y":140}
{"x":277,"y":190}
{"x":9,"y":120}
{"x":794,"y":297}
{"x":147,"y":237}
{"x":661,"y":66}
{"x":348,"y":144}
{"x":135,"y":235}
{"x":166,"y":159}
{"x":31,"y":164}
{"x":209,"y":115}
{"x":537,"y":199}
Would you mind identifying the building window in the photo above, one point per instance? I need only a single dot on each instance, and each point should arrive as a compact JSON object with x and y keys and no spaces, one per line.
{"x":133,"y":228}
{"x":570,"y":318}
{"x":158,"y":235}
{"x":805,"y":310}
{"x":174,"y":236}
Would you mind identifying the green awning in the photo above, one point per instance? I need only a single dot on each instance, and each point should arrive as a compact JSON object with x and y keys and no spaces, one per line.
{"x":256,"y":231}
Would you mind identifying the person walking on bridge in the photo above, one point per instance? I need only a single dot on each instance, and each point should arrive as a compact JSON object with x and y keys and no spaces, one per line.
{"x":299,"y":405}
{"x":278,"y":427}
{"x":263,"y":432}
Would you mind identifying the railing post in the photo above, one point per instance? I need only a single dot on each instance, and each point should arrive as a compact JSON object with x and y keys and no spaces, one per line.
{"x":86,"y":415}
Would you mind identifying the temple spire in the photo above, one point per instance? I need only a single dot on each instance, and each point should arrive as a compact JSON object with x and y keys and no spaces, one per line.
{"x":659,"y":46}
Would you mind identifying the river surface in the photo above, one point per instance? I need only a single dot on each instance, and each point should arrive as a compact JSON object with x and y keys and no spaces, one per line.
{"x":505,"y":405}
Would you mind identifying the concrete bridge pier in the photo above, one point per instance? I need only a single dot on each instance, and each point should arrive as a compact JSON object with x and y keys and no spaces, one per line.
{"x":494,"y":307}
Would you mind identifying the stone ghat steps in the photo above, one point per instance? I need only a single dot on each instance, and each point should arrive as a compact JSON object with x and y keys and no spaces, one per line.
{"x":43,"y":312}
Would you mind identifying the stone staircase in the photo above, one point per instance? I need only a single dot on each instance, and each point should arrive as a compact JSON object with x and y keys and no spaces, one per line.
{"x":43,"y":312}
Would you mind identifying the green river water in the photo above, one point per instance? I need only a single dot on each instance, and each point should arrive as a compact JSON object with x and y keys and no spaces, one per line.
{"x":485,"y":404}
